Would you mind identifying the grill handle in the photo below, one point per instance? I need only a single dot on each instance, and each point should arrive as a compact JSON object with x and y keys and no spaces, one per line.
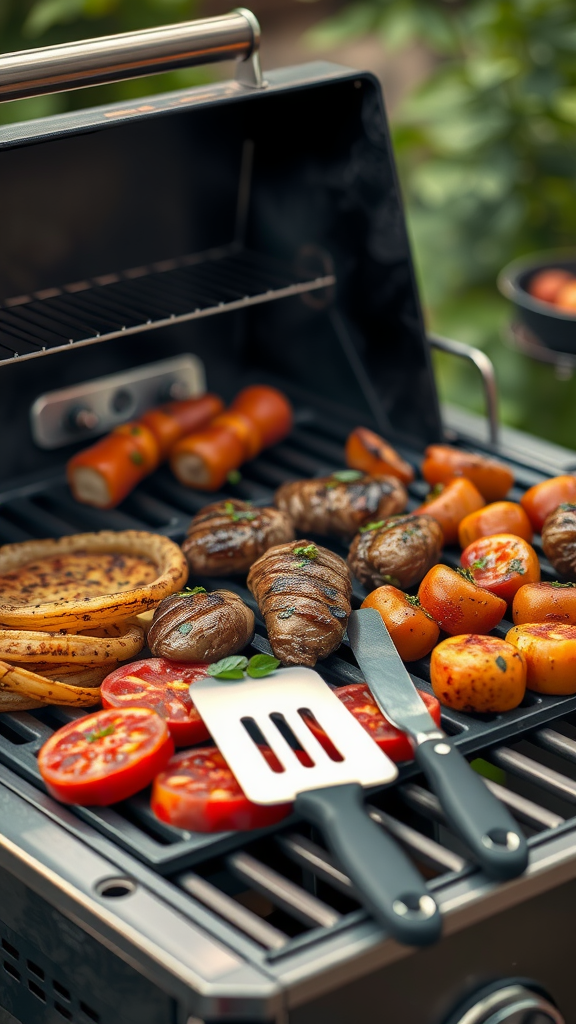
{"x":485,"y":366}
{"x":49,"y":69}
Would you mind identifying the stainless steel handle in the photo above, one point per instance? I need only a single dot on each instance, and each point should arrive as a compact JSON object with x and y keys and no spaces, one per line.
{"x":486,"y":368}
{"x":234,"y":36}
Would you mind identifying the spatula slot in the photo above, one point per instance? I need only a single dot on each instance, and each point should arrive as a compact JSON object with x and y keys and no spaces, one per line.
{"x":312,"y":723}
{"x":258,"y":738}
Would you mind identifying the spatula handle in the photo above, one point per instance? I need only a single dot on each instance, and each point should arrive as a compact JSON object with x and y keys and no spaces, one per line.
{"x":472,"y":810}
{"x":389,"y":886}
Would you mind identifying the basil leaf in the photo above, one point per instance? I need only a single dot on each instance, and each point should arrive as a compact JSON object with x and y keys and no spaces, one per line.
{"x":190,"y":591}
{"x":236,"y":663}
{"x":262,"y":665}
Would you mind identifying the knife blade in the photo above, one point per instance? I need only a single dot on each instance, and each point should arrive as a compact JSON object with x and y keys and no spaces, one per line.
{"x":470,"y":808}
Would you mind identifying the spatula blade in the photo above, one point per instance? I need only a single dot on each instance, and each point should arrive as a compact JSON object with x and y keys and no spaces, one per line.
{"x":277,"y":702}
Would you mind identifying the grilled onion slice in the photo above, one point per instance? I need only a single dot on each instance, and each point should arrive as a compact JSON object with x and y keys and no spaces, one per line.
{"x":40,"y":690}
{"x":23,"y":645}
{"x":87,"y":579}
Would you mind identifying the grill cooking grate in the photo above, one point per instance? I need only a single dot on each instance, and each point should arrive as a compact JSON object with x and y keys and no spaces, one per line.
{"x":279,"y":887}
{"x":143,"y":299}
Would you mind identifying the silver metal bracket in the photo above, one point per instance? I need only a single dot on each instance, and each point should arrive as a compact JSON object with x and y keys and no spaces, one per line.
{"x":84,"y":411}
{"x":485,"y":366}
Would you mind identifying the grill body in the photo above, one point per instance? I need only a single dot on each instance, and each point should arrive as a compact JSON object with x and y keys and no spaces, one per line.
{"x":260,"y":230}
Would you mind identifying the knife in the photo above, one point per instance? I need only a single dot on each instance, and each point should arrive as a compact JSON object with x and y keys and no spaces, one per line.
{"x":470,"y":808}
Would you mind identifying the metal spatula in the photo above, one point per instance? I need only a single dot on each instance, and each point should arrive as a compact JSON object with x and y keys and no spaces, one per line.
{"x":327,"y":792}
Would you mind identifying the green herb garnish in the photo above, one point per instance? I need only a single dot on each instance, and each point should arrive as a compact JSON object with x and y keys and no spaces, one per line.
{"x":137,"y":458}
{"x":236,"y":515}
{"x":185,"y":628}
{"x":343,"y":476}
{"x":556,"y":583}
{"x":190,"y":591}
{"x":287,"y":613}
{"x":517,"y":566}
{"x":466,"y":574}
{"x":261,"y":665}
{"x":371,"y":526}
{"x":567,"y":506}
{"x":236,"y":667}
{"x":480,"y":563}
{"x":310,"y":552}
{"x":414,"y":600}
{"x":501,"y":663}
{"x":234,"y":477}
{"x":99,"y":734}
{"x":232,"y":667}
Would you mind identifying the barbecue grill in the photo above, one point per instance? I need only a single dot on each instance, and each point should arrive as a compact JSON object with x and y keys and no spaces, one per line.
{"x":247,"y":231}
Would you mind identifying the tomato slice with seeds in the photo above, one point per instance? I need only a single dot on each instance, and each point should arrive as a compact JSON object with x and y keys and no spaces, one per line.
{"x":105,"y":757}
{"x":162,"y":685}
{"x":360,"y":703}
{"x":502,"y":564}
{"x":198,"y":792}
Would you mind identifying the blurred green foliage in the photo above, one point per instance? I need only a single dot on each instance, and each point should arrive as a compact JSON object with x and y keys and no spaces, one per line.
{"x":487,"y":154}
{"x":29,"y":23}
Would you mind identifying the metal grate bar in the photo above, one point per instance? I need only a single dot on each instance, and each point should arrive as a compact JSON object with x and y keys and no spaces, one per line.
{"x":525,"y":810}
{"x":281,"y":891}
{"x":423,"y":847}
{"x":307,"y":854}
{"x":528,"y":768}
{"x":554,"y":741}
{"x":252,"y":925}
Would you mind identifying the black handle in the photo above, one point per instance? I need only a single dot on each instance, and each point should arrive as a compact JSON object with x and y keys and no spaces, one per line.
{"x":472,"y":810}
{"x":390,"y":887}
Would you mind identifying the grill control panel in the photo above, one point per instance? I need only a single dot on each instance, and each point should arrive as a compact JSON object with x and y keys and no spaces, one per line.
{"x":84,"y":411}
{"x":508,"y":1004}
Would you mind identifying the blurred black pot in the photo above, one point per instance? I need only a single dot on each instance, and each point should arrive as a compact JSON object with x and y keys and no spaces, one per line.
{"x":555,"y":328}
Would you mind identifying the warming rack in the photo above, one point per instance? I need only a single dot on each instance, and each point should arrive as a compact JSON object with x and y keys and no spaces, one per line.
{"x":145,"y":298}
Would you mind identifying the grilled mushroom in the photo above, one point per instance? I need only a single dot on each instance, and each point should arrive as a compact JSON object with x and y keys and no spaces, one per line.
{"x":339,"y":504}
{"x":229,"y":536}
{"x":399,"y":550}
{"x":198,"y":626}
{"x":303,"y":592}
{"x":559,"y":539}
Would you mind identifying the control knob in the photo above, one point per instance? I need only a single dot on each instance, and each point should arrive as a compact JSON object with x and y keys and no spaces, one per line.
{"x":512,"y":1003}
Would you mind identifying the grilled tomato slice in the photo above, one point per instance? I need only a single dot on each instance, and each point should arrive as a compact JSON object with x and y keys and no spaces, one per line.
{"x":412,"y":629}
{"x":360,"y":703}
{"x":499,"y":517}
{"x":478,"y":673}
{"x":545,"y":602}
{"x":502,"y":564}
{"x":449,"y":503}
{"x":550,"y":652}
{"x":369,"y":452}
{"x":198,"y":792}
{"x":457,"y":603}
{"x":163,"y":686}
{"x":442,"y":462}
{"x":105,"y":757}
{"x":540,"y":500}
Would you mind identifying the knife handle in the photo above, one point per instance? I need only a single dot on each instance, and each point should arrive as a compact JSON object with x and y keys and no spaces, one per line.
{"x":389,"y":885}
{"x":472,"y":810}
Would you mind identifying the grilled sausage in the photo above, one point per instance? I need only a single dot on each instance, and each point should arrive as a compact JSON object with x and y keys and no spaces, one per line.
{"x":303,"y":592}
{"x":229,"y":536}
{"x":559,"y":539}
{"x":338,"y":505}
{"x":398,"y":551}
{"x":200,"y":626}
